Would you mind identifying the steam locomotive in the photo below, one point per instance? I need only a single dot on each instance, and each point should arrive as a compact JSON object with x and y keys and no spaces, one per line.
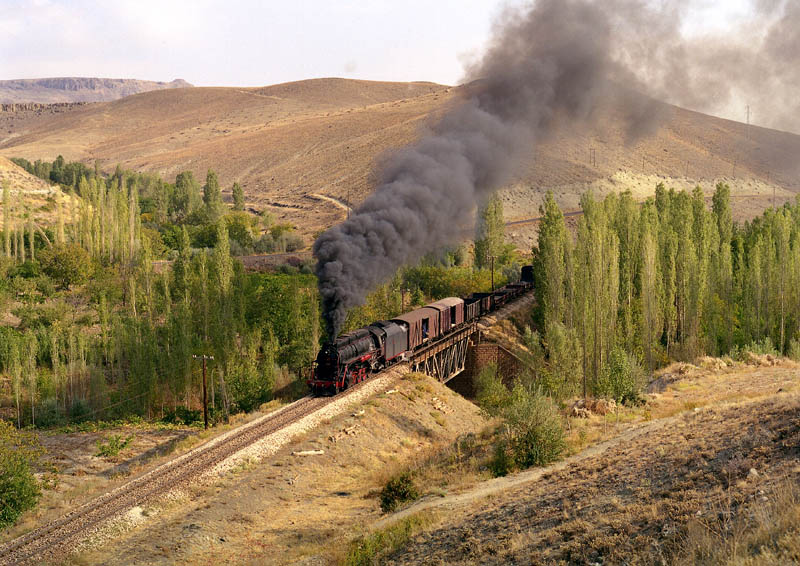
{"x":356,"y":355}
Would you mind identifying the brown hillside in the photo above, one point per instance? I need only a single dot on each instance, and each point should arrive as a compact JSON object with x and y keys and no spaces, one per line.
{"x":29,"y":195}
{"x":287,"y":144}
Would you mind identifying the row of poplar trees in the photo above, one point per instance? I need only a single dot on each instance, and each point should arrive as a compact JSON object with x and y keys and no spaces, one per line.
{"x":127,"y":345}
{"x":667,"y":279}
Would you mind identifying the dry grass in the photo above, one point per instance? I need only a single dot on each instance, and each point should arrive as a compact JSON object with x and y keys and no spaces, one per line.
{"x":678,"y":491}
{"x":765,"y":532}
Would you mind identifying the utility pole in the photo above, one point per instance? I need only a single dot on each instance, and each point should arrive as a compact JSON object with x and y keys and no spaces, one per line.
{"x":205,"y":389}
{"x":403,"y":298}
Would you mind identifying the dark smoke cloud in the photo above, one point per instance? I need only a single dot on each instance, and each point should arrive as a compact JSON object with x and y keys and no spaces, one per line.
{"x":554,"y":59}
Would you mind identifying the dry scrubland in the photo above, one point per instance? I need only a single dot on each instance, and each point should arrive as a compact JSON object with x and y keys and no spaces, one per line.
{"x":708,"y":464}
{"x":288,"y":144}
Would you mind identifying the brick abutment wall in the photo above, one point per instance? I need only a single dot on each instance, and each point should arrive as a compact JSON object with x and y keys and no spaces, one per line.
{"x":480,"y":355}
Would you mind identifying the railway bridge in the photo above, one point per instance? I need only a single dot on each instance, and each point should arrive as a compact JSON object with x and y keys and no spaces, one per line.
{"x":449,"y":357}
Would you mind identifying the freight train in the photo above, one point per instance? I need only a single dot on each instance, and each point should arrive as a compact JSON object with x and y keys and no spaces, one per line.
{"x":356,"y":355}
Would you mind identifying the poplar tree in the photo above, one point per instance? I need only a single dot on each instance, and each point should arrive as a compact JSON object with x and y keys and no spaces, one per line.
{"x":212,"y":197}
{"x":238,"y":197}
{"x":15,"y":365}
{"x":490,"y":232}
{"x":549,"y":262}
{"x":6,"y":219}
{"x":650,"y":281}
{"x":31,"y":345}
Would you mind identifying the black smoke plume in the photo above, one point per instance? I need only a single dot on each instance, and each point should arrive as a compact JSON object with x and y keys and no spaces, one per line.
{"x":555,"y":59}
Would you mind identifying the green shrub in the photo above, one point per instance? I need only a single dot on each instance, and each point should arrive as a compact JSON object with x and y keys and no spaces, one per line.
{"x":398,"y":490}
{"x":534,"y":431}
{"x":79,"y":411}
{"x":66,"y":264}
{"x":49,"y":414}
{"x":368,"y":550}
{"x":113,"y":445}
{"x":502,"y":462}
{"x":182,"y":415}
{"x":490,"y":393}
{"x":794,"y":350}
{"x":621,"y":378}
{"x":19,"y":490}
{"x":762,"y":348}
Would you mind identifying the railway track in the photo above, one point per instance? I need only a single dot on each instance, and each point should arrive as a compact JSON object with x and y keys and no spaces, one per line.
{"x":55,"y":539}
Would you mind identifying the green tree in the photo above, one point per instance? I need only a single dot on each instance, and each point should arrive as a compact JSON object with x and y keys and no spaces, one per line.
{"x":19,"y":490}
{"x":212,"y":197}
{"x":550,"y":263}
{"x":67,"y":264}
{"x":238,"y":197}
{"x":490,"y":233}
{"x":6,"y":218}
{"x":186,"y":197}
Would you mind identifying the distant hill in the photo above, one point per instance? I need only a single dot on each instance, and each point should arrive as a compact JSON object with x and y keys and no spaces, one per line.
{"x":295,"y":146}
{"x":78,"y":89}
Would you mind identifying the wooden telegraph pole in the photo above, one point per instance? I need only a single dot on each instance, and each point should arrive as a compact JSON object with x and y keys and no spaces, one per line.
{"x":205,"y":388}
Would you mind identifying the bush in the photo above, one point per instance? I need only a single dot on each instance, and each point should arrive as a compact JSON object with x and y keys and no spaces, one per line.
{"x":762,"y":348}
{"x":370,"y":549}
{"x":29,"y":270}
{"x":794,"y":350}
{"x":534,"y":431}
{"x":182,"y":415}
{"x":398,"y":490}
{"x":265,"y":244}
{"x":502,"y":462}
{"x":19,"y":490}
{"x":532,"y":435}
{"x":621,"y":378}
{"x":79,"y":411}
{"x":49,"y":414}
{"x":113,"y":445}
{"x":490,"y":393}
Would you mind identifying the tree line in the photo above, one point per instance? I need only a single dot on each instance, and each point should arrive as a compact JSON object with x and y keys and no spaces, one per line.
{"x":103,"y":331}
{"x":667,"y":279}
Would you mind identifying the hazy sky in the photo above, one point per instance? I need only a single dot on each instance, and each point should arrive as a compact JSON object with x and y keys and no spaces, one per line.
{"x":249,"y":42}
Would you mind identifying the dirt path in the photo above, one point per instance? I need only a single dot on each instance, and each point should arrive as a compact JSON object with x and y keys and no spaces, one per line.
{"x":502,"y":484}
{"x":334,"y":201}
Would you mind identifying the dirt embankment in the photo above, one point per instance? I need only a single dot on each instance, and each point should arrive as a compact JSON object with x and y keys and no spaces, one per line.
{"x":723,"y":442}
{"x":291,"y":506}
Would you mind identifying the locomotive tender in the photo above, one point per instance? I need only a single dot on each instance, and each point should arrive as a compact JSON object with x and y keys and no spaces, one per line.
{"x":356,"y":355}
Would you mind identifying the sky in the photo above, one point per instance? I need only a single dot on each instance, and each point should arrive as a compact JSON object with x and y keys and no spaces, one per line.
{"x":254,"y":43}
